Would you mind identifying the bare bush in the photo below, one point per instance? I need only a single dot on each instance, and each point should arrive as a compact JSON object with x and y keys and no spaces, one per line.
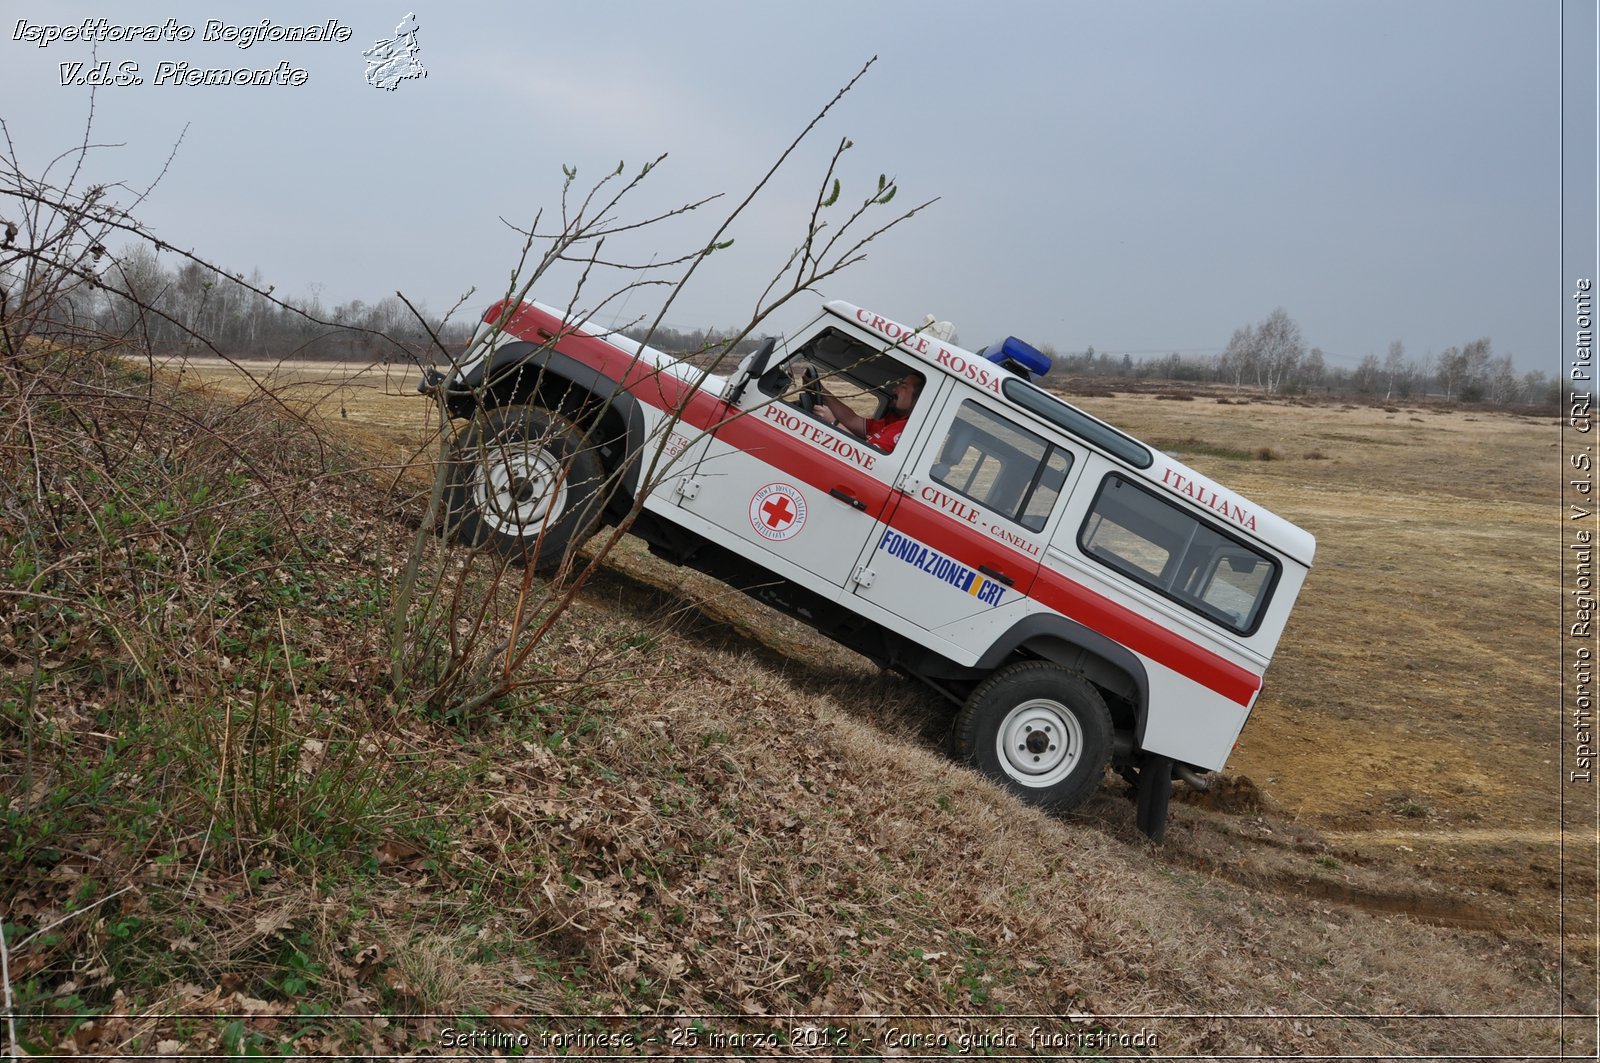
{"x":463,"y":629}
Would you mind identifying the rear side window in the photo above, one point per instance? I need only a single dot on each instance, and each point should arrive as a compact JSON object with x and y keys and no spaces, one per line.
{"x":1162,"y":546}
{"x":1005,"y":469}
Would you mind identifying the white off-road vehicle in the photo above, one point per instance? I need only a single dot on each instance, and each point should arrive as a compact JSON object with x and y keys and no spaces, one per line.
{"x":1085,"y":599}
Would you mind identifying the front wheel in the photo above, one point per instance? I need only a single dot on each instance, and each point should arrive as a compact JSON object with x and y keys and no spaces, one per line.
{"x":1039,"y":729}
{"x":524,"y":484}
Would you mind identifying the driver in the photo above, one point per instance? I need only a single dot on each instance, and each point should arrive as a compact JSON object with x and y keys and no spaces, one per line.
{"x":881,"y":432}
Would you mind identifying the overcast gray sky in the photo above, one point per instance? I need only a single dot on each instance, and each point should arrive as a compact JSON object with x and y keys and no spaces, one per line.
{"x":1141,"y":177}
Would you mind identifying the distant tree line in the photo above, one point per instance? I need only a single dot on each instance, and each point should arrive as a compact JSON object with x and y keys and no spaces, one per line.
{"x":191,"y":308}
{"x":1271,"y":356}
{"x":692,"y":341}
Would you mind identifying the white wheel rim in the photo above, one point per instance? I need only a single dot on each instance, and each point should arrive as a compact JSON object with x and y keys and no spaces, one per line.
{"x":520,"y":487}
{"x":1039,"y":743}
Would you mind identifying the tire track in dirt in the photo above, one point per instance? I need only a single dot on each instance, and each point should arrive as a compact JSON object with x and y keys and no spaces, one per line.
{"x":1475,"y":836}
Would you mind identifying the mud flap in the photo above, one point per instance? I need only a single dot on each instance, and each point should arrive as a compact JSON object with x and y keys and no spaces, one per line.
{"x":1155,"y":795}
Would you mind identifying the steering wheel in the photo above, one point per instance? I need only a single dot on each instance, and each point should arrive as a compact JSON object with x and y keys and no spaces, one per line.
{"x":811,"y":389}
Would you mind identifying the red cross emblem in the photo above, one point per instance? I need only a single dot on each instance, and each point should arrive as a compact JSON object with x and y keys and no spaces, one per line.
{"x":778,"y":512}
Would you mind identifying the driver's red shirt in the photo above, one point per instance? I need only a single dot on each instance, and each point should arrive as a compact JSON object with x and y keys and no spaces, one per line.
{"x":884,"y":432}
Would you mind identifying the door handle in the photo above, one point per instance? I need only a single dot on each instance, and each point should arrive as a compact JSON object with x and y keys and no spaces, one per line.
{"x":842,"y":495}
{"x":997,"y":575}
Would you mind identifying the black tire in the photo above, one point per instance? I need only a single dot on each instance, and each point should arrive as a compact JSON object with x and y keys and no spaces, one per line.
{"x":1155,"y":796}
{"x":1040,"y":730}
{"x":525,"y":485}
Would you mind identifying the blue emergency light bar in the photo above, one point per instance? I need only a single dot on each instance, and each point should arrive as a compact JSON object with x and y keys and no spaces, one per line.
{"x":1021,"y":358}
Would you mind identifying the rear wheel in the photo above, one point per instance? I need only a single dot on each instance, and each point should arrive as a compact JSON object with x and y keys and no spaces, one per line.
{"x":1039,"y":729}
{"x":525,"y":485}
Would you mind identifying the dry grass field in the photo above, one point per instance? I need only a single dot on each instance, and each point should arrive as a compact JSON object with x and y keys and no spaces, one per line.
{"x":224,"y":801}
{"x":1411,"y":722}
{"x":1404,"y":756}
{"x":1413,"y":711}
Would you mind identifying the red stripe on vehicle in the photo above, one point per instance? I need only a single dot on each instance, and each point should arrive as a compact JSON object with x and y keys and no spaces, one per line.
{"x":1073,"y":600}
{"x":1144,"y":636}
{"x":913,"y":517}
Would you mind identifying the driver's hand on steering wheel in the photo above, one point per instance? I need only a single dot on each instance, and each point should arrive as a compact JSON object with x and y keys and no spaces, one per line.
{"x":822,"y":413}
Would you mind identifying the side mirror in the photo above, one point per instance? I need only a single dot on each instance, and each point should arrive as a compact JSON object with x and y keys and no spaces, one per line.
{"x":753,"y":366}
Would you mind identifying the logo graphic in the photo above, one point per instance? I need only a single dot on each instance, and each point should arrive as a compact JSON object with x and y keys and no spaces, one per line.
{"x":778,"y":512}
{"x":393,"y":61}
{"x":942,"y":568}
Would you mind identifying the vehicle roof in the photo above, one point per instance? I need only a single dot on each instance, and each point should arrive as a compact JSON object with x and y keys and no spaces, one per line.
{"x":1166,"y":473}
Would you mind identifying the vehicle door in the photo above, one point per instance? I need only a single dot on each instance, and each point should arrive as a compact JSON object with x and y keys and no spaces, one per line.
{"x":977,"y":502}
{"x":779,"y":478}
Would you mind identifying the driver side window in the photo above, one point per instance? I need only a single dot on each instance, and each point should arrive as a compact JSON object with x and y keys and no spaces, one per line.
{"x":861,"y":376}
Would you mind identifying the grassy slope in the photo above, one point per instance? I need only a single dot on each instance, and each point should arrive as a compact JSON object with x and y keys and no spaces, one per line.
{"x":215,"y":804}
